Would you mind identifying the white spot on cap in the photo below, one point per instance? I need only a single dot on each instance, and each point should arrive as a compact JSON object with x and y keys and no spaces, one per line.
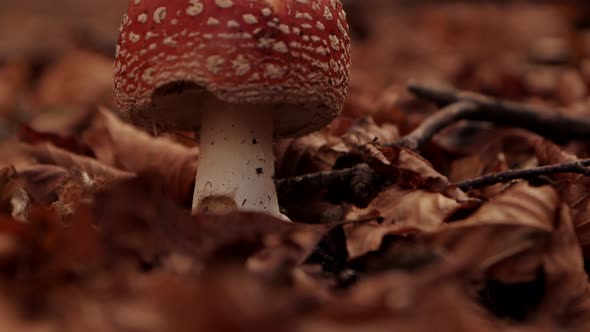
{"x":233,"y":24}
{"x":335,"y":42}
{"x":160,"y":14}
{"x":142,"y":18}
{"x":125,"y":21}
{"x":224,"y":3}
{"x":212,"y":21}
{"x":280,"y":47}
{"x":264,"y":42}
{"x":195,"y":8}
{"x":321,"y":50}
{"x":147,"y":75}
{"x":137,"y":2}
{"x":341,"y":28}
{"x":320,"y":26}
{"x":284,"y":28}
{"x":169,"y":41}
{"x":328,"y":14}
{"x":273,"y":71}
{"x":150,"y":35}
{"x":300,"y":15}
{"x":241,"y":65}
{"x":213,"y":63}
{"x":133,"y":37}
{"x":250,"y":19}
{"x":266,"y":11}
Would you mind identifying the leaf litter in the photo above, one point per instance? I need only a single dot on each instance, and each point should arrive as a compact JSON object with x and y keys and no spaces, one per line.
{"x":95,"y":225}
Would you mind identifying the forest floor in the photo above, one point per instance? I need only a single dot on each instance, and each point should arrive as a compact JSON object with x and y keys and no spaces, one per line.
{"x":399,"y":232}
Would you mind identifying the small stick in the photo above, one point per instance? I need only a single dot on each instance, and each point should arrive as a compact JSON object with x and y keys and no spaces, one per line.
{"x":465,"y":106}
{"x":360,"y":180}
{"x":540,"y":120}
{"x":437,"y":122}
{"x":578,"y":166}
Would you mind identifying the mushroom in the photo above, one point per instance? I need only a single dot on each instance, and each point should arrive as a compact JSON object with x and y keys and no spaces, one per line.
{"x":242,"y":72}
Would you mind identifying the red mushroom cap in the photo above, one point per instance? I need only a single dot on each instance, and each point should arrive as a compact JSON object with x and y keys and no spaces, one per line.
{"x":174,"y":55}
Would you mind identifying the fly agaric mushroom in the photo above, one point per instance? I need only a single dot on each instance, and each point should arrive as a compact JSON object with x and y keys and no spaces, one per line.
{"x":241,"y":71}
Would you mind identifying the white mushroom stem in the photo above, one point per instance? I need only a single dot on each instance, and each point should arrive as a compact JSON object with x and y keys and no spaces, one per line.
{"x":236,"y":161}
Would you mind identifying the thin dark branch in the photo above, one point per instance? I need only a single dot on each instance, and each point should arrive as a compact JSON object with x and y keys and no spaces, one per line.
{"x":358,"y":179}
{"x":314,"y":180}
{"x":437,"y":122}
{"x":461,"y":105}
{"x":543,"y":121}
{"x":578,"y":166}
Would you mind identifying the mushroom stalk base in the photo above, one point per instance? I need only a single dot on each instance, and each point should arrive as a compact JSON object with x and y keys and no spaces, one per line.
{"x":236,"y":161}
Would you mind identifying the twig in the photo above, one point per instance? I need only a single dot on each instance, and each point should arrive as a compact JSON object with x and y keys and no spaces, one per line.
{"x":543,"y":121}
{"x":462,"y":106}
{"x":578,"y":166}
{"x":359,"y":180}
{"x":437,"y":122}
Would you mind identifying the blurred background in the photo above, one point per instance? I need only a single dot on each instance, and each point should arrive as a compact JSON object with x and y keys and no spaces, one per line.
{"x":55,"y":56}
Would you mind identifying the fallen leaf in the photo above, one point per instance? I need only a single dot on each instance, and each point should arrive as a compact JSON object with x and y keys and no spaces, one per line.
{"x":14,"y":200}
{"x":127,"y":148}
{"x":79,"y":78}
{"x":396,"y":211}
{"x":573,"y":189}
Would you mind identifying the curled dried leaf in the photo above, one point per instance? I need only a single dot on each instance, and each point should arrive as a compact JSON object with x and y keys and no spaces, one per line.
{"x":125,"y":147}
{"x":573,"y":189}
{"x":396,"y":211}
{"x":14,"y":200}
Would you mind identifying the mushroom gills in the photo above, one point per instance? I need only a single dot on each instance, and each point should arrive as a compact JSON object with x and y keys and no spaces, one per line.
{"x":236,"y":161}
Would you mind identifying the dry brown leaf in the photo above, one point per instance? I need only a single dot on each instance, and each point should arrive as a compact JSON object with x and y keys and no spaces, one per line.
{"x":573,"y":189}
{"x":56,"y":176}
{"x":531,"y":209}
{"x":319,"y":151}
{"x":265,"y":244}
{"x":521,"y":204}
{"x":125,"y":147}
{"x":13,"y":80}
{"x":396,"y":211}
{"x":10,"y":320}
{"x":42,"y":181}
{"x":409,"y":170}
{"x":516,"y":254}
{"x":400,"y":302}
{"x":80,"y":78}
{"x":70,"y":143}
{"x":47,"y":154}
{"x":568,"y":292}
{"x":315,"y":152}
{"x":14,"y":200}
{"x":365,"y":137}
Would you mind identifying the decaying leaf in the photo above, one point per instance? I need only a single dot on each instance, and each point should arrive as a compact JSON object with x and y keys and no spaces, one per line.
{"x":124,"y":147}
{"x":109,"y":244}
{"x":80,"y":78}
{"x":573,"y":189}
{"x":396,"y":211}
{"x":307,"y":154}
{"x":14,"y":200}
